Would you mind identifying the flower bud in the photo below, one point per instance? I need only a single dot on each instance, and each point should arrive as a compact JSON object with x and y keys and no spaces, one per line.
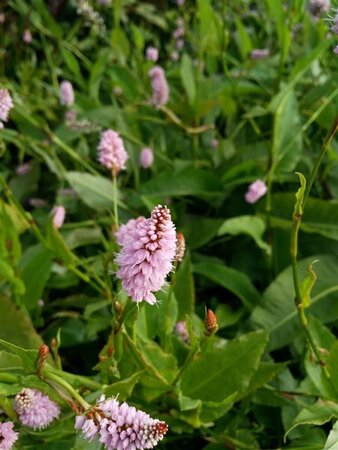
{"x":210,"y":323}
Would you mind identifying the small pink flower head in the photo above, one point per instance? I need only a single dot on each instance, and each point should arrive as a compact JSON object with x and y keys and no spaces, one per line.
{"x":335,"y":50}
{"x":179,"y":32}
{"x":334,"y":26}
{"x":22,"y":169}
{"x":259,"y":53}
{"x":124,"y":230}
{"x":120,"y":426}
{"x":8,"y":436}
{"x":181,"y":331}
{"x":37,"y":202}
{"x":214,"y":143}
{"x":112,"y":153}
{"x":256,"y":190}
{"x":67,"y":96}
{"x":318,"y":7}
{"x":27,"y":36}
{"x":59,"y":214}
{"x":152,"y":54}
{"x":6,"y":104}
{"x":35,"y":409}
{"x":146,"y":158}
{"x":103,"y":2}
{"x":180,"y":2}
{"x":2,"y":18}
{"x":160,"y":88}
{"x":179,"y":44}
{"x":146,"y":255}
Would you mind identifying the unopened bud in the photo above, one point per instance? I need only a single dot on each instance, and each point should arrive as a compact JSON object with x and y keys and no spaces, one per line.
{"x":42,"y":356}
{"x":210,"y":323}
{"x":180,"y":247}
{"x":118,"y":308}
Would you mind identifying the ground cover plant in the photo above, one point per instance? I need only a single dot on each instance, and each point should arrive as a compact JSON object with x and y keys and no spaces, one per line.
{"x":168,"y":224}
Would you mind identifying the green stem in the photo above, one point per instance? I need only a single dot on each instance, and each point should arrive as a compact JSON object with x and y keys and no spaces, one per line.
{"x":116,"y":216}
{"x":50,"y":375}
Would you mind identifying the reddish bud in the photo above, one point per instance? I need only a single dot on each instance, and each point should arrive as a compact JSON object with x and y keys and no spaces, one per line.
{"x":180,"y":247}
{"x":210,"y":323}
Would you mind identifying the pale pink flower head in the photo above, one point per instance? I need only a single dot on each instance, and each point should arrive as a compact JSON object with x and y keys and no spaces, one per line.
{"x":214,"y":143}
{"x":120,"y":426}
{"x":22,"y":169}
{"x":124,"y":230}
{"x":180,"y":2}
{"x":181,"y":331}
{"x":335,"y":50}
{"x":112,"y":153}
{"x":318,"y":7}
{"x":59,"y":214}
{"x":146,"y":255}
{"x":259,"y":53}
{"x":8,"y":436}
{"x":6,"y":104}
{"x":179,"y":44}
{"x":146,"y":158}
{"x":256,"y":190}
{"x":2,"y":18}
{"x":334,"y":26}
{"x":152,"y":54}
{"x":27,"y":36}
{"x":179,"y":32}
{"x":67,"y":96}
{"x":35,"y":409}
{"x":37,"y":202}
{"x":160,"y":88}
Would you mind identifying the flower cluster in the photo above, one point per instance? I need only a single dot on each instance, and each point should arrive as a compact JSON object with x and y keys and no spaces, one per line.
{"x":146,"y":158}
{"x":91,"y":17}
{"x":8,"y":436}
{"x":6,"y":104}
{"x":160,"y":88}
{"x":120,"y":426}
{"x":59,"y":214}
{"x":318,"y":7}
{"x":259,"y":53}
{"x":124,"y":230}
{"x":112,"y":153}
{"x":152,"y":54}
{"x":66,"y":93}
{"x":147,"y":254}
{"x":256,"y":190}
{"x":35,"y":409}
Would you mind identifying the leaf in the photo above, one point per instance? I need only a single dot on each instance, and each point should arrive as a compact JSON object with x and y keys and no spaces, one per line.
{"x":186,"y":182}
{"x":197,"y":237}
{"x":165,"y":363}
{"x":36,"y":265}
{"x":218,"y":373}
{"x":9,"y":362}
{"x":187,"y":71}
{"x":332,"y":440}
{"x":276,"y":311}
{"x":232,"y":280}
{"x":57,"y":244}
{"x":27,"y":357}
{"x":83,"y":236}
{"x":250,"y":225}
{"x":265,"y":372}
{"x":94,"y":190}
{"x":123,"y":389}
{"x":318,"y":414}
{"x":286,"y":145}
{"x":185,"y":288}
{"x":24,"y":335}
{"x":307,"y":285}
{"x":298,"y":209}
{"x":332,"y":366}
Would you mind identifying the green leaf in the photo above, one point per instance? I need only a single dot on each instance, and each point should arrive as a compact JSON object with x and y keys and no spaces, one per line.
{"x":265,"y":372}
{"x":57,"y":244}
{"x":318,"y":414}
{"x":196,"y":237}
{"x":27,"y":357}
{"x":242,"y":38}
{"x":232,"y":280}
{"x":16,"y":326}
{"x":123,"y":389}
{"x":185,"y":288}
{"x":250,"y":225}
{"x":332,"y":440}
{"x":332,"y":366}
{"x":36,"y":265}
{"x":218,"y":373}
{"x":165,"y":363}
{"x":307,"y":285}
{"x":186,"y":182}
{"x":276,"y":311}
{"x":187,"y":71}
{"x":298,"y":209}
{"x":94,"y":190}
{"x":9,"y":361}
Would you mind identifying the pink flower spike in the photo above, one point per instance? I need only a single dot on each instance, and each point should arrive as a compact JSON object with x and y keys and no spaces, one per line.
{"x":6,"y":104}
{"x":27,"y":36}
{"x":146,"y":255}
{"x":124,"y":230}
{"x":146,"y":158}
{"x":35,"y":409}
{"x":112,"y":153}
{"x":8,"y":436}
{"x":160,"y":88}
{"x":67,"y":96}
{"x":181,"y":331}
{"x":22,"y":169}
{"x":256,"y":191}
{"x":152,"y":54}
{"x":59,"y":214}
